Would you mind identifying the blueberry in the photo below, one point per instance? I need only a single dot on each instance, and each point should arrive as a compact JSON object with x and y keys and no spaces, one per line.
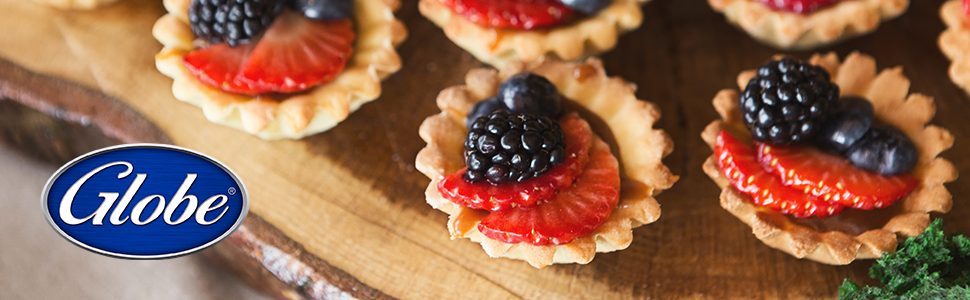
{"x":530,"y":93}
{"x":846,"y":124}
{"x":323,"y":9}
{"x":884,"y":149}
{"x":588,"y":7}
{"x":484,"y":108}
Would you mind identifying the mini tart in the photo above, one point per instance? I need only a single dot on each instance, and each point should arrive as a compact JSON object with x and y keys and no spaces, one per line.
{"x":791,"y":31}
{"x":955,"y":42}
{"x":852,"y":234}
{"x":296,"y":115}
{"x":585,"y":36}
{"x":614,"y":113}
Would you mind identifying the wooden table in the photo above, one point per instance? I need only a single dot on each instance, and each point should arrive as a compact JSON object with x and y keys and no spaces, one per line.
{"x":343,"y":213}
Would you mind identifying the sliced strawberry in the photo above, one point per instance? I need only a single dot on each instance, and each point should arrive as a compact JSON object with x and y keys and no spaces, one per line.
{"x":739,"y":163}
{"x":484,"y":195}
{"x":518,"y":14}
{"x":218,"y":65}
{"x":798,"y":6}
{"x":833,"y":178}
{"x":294,"y":54}
{"x":297,"y":53}
{"x":574,"y":212}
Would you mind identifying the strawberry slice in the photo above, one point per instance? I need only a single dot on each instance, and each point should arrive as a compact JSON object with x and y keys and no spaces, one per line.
{"x":518,"y":14}
{"x":484,"y":195}
{"x":297,"y":53}
{"x":574,"y":212}
{"x":294,"y":54}
{"x":739,"y":163}
{"x":218,"y":65}
{"x":798,"y":6}
{"x":833,"y":178}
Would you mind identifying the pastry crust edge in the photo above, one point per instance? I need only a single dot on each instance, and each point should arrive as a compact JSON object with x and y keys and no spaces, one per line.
{"x":641,"y":149}
{"x":790,"y":31}
{"x":955,"y":42}
{"x":300,"y":114}
{"x":585,"y":37}
{"x":889,"y":92}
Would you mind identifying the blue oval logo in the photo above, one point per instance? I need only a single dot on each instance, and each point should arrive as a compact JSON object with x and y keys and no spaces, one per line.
{"x":145,"y":201}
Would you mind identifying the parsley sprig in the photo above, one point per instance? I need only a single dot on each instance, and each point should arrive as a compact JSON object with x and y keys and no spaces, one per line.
{"x":930,"y":266}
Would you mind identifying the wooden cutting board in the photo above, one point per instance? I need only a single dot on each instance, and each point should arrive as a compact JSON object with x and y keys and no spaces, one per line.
{"x":343,"y":213}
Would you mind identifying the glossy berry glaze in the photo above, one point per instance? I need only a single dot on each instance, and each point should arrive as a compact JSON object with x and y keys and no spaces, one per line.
{"x":798,"y":6}
{"x":515,"y":14}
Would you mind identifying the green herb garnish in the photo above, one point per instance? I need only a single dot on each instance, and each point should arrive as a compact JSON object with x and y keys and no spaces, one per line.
{"x":930,"y":266}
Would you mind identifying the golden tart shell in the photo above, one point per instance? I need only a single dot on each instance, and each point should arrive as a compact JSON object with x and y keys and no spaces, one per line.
{"x":614,"y":112}
{"x":785,"y":30}
{"x":288,"y":115}
{"x":583,"y":37}
{"x":852,"y":234}
{"x":955,"y":42}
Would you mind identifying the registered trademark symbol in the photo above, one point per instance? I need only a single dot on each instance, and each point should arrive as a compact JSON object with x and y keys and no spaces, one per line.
{"x":232,"y":191}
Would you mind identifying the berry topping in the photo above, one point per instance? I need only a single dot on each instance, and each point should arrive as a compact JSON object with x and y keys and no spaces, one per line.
{"x":218,"y":65}
{"x":293,"y":55}
{"x":484,"y":195}
{"x":798,"y":6}
{"x":739,"y":163}
{"x":587,"y":7}
{"x":324,"y":10}
{"x":517,"y":14}
{"x":505,"y":147}
{"x":787,"y":101}
{"x":484,"y":108}
{"x":298,"y":53}
{"x":234,"y":22}
{"x":846,"y":124}
{"x":574,"y":212}
{"x":832,"y":178}
{"x":884,"y":149}
{"x":531,"y":94}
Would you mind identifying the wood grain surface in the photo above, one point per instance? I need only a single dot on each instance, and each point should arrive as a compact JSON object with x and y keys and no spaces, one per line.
{"x":350,"y":205}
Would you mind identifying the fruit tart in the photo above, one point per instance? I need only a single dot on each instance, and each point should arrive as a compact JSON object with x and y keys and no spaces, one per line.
{"x":829,"y":161}
{"x":501,"y":31}
{"x":278,"y":68}
{"x":807,"y":24}
{"x":955,"y":41}
{"x":548,"y":161}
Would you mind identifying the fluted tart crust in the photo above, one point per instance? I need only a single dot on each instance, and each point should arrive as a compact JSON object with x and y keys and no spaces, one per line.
{"x":296,"y":115}
{"x":955,"y":42}
{"x":791,"y":31}
{"x":581,"y":38}
{"x":852,"y":234}
{"x":615,"y":114}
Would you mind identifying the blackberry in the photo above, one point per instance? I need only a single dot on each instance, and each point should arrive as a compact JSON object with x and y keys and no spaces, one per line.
{"x":503,"y":147}
{"x":787,"y":101}
{"x":235,"y":22}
